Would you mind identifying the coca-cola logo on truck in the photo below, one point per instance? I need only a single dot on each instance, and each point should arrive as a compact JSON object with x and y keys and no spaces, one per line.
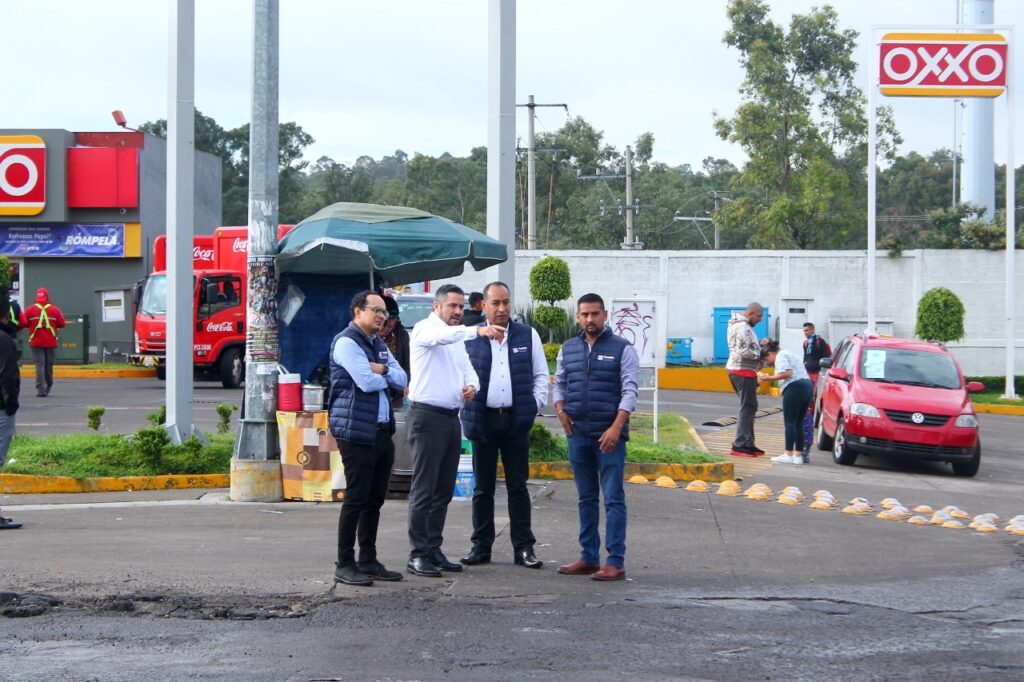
{"x":219,"y":327}
{"x":240,"y":245}
{"x":199,"y":253}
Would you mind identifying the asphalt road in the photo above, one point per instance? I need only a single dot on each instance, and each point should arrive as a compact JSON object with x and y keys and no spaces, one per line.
{"x":188,"y":586}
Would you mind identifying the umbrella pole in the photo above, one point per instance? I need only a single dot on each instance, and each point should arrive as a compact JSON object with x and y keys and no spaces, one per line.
{"x":371,"y":280}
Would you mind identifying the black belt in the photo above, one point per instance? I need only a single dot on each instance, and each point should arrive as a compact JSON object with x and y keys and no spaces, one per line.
{"x":434,"y":408}
{"x":500,"y":410}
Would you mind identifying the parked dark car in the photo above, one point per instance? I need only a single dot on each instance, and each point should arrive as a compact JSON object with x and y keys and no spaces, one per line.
{"x":897,"y":398}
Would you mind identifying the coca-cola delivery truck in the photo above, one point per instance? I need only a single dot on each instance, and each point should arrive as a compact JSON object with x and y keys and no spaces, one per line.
{"x":218,"y":301}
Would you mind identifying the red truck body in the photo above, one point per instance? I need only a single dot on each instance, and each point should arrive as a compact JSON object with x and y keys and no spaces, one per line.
{"x":219,"y":294}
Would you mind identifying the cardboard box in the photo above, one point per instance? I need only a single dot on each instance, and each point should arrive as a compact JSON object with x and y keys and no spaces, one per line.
{"x":311,"y":468}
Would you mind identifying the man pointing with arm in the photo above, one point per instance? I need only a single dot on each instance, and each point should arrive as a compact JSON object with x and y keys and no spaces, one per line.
{"x":443,"y":380}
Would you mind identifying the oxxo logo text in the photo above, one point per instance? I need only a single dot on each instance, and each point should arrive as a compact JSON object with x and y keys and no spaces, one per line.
{"x":942,"y":64}
{"x":199,"y":253}
{"x":240,"y":245}
{"x":22,"y":175}
{"x":220,"y":327}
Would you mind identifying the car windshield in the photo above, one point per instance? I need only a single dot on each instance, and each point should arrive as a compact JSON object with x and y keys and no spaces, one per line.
{"x":412,"y":312}
{"x":154,"y":296}
{"x":913,"y":367}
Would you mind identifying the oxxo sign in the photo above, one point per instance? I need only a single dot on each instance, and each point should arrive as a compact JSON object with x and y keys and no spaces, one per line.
{"x":22,"y":175}
{"x":942,"y":65}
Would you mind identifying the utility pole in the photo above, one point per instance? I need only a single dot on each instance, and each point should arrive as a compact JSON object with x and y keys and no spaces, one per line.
{"x":632,"y":205}
{"x":718,"y":206}
{"x":180,"y":203}
{"x":255,"y":471}
{"x":501,"y":131}
{"x":531,"y":172}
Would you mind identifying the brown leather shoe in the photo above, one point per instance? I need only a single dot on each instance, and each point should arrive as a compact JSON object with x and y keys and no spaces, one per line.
{"x":578,"y":567}
{"x":610,"y":572}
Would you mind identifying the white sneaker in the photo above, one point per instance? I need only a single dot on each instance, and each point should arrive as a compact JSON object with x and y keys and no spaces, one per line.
{"x":783,"y":459}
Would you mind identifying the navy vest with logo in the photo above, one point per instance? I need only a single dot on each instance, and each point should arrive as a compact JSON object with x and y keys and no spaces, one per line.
{"x":520,"y":361}
{"x":352,"y":411}
{"x":593,"y":382}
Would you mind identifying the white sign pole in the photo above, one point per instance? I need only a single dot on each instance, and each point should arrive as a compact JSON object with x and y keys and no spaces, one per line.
{"x":1011,"y":224}
{"x":872,"y":153}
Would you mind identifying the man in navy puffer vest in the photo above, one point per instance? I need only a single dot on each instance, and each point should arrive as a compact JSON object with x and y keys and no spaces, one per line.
{"x":595,"y":392}
{"x":362,"y":422}
{"x":513,"y":374}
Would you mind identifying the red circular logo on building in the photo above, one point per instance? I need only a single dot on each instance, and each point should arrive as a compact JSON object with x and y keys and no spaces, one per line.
{"x":22,"y":175}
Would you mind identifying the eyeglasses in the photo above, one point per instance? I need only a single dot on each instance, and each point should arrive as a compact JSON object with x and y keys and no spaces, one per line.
{"x":379,"y":311}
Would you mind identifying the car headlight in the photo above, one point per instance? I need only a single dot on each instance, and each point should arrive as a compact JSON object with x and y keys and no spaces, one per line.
{"x":967,"y":421}
{"x":865,"y":410}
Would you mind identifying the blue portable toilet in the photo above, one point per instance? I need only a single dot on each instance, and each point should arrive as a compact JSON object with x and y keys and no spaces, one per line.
{"x":722,"y":316}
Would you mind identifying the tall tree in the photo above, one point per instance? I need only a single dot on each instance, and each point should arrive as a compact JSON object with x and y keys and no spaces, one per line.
{"x":802,"y":124}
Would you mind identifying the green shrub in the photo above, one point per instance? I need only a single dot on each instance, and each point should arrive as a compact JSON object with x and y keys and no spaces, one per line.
{"x":159,"y":417}
{"x":150,"y":443}
{"x":224,"y":411}
{"x":93,"y":416}
{"x":545,"y":446}
{"x":551,"y":351}
{"x":5,"y":272}
{"x":940,"y":316}
{"x":549,"y":280}
{"x":548,"y":317}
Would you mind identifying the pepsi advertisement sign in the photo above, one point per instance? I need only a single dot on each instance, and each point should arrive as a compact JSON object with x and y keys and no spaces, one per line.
{"x":105,"y":240}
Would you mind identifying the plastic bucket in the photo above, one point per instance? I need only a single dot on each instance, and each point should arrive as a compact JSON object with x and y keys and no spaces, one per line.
{"x":289,"y":392}
{"x":465,"y":480}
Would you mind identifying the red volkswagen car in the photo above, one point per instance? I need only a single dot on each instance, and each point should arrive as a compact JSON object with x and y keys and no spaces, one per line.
{"x":897,"y":398}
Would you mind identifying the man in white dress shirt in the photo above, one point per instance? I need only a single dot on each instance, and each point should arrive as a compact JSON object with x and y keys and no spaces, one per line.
{"x":514,"y":382}
{"x":442,"y":381}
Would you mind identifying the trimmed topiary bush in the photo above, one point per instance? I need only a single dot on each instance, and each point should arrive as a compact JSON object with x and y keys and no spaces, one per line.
{"x":940,"y":316}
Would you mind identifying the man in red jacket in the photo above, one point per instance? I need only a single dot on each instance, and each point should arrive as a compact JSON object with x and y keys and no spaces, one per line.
{"x":43,"y":319}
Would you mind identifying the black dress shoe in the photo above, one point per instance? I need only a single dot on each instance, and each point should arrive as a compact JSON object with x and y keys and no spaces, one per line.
{"x":477,"y":555}
{"x":424,"y":567}
{"x":350,"y":575}
{"x":377,"y":571}
{"x":526,"y":557}
{"x":441,"y":561}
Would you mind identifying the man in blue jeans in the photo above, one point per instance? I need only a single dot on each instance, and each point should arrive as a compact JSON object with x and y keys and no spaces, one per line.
{"x":595,"y":392}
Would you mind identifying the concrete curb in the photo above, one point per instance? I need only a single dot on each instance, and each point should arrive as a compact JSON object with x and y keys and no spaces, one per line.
{"x":562,"y":471}
{"x":65,"y":372}
{"x":1016,"y":410}
{"x":22,"y":484}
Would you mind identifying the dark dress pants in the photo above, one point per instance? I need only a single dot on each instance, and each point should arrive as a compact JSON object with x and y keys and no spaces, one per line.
{"x":746,"y":389}
{"x":367,"y":471}
{"x":514,"y":450}
{"x":43,"y":358}
{"x":435,"y":443}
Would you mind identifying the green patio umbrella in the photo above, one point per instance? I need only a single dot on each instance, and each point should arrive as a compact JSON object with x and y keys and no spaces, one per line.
{"x":397,"y":244}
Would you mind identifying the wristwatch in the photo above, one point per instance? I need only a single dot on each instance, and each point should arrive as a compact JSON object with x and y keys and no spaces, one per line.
{"x":384,"y":372}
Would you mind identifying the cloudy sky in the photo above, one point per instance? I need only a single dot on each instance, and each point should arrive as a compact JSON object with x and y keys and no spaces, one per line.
{"x":370,"y":77}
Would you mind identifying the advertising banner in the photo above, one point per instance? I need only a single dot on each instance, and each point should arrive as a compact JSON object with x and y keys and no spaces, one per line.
{"x":104,"y":240}
{"x":942,"y":64}
{"x":22,"y":175}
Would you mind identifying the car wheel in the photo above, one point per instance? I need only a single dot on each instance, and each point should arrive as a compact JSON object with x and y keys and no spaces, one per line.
{"x":232,"y":368}
{"x":824,"y":440}
{"x":161,"y":372}
{"x":969,"y":468}
{"x":841,"y":452}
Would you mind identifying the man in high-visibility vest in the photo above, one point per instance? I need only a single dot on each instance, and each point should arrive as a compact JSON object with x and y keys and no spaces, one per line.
{"x":43,"y":319}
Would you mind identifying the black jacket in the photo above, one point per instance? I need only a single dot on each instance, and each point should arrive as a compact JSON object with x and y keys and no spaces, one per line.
{"x":10,"y":376}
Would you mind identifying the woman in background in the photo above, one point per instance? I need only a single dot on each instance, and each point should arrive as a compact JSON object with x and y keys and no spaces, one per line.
{"x":796,"y":396}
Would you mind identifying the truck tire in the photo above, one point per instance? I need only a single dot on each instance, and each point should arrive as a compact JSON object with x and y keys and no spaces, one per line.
{"x":161,"y":372}
{"x":232,"y":369}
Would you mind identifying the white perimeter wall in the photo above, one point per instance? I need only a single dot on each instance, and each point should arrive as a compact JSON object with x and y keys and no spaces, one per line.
{"x":833,"y":284}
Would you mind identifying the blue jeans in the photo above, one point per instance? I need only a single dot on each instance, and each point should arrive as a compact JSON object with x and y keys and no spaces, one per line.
{"x":6,"y":434}
{"x":596,"y":473}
